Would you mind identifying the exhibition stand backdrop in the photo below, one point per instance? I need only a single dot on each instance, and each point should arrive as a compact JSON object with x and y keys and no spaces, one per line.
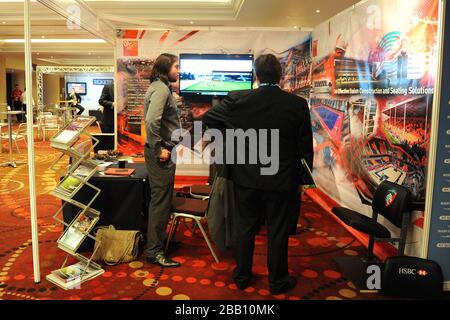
{"x":370,"y":75}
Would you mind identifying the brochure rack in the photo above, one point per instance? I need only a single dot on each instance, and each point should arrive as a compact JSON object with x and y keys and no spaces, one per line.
{"x":75,"y":142}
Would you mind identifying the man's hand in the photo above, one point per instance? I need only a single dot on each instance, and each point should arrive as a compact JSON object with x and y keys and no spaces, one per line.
{"x":164,"y":156}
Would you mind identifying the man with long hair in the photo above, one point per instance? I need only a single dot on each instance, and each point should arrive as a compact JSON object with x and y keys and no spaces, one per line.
{"x":161,"y":119}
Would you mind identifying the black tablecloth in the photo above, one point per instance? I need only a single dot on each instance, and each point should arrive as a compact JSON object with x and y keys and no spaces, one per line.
{"x":122,"y":202}
{"x":97,"y":114}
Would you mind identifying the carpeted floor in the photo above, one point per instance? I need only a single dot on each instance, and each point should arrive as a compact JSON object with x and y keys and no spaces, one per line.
{"x":319,"y":239}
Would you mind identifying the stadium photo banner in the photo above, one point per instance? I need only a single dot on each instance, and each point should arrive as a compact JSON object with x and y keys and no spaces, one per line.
{"x":296,"y":63}
{"x":136,"y":51}
{"x":373,"y":75}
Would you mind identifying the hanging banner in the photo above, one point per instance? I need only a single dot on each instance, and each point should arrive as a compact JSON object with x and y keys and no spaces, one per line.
{"x":439,"y":226}
{"x":296,"y":64}
{"x":373,"y":77}
{"x":136,"y":51}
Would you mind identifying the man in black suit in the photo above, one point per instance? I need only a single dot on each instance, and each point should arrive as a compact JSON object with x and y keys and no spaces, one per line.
{"x":107,"y":102}
{"x":257,"y":194}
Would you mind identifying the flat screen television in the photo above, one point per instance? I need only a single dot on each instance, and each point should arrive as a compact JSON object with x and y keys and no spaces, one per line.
{"x":215,"y":74}
{"x":80,"y":87}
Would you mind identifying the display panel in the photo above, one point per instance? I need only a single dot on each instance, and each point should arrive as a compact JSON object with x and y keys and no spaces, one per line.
{"x":215,"y":74}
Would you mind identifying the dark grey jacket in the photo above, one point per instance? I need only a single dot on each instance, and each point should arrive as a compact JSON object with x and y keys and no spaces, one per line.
{"x":107,"y":101}
{"x":161,"y":117}
{"x":220,"y":211}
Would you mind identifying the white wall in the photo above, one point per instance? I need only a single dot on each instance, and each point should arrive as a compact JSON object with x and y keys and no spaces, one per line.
{"x":89,"y":101}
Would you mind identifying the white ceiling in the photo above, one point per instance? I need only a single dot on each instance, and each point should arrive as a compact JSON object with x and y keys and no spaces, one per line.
{"x":154,"y":13}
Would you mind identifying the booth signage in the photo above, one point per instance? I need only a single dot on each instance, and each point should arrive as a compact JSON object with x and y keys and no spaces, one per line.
{"x":439,"y":239}
{"x":101,"y":82}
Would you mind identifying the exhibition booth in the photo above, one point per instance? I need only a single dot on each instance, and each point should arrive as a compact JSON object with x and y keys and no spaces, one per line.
{"x":372,"y":75}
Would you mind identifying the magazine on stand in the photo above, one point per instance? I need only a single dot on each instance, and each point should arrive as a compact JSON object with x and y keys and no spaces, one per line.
{"x":85,"y":170}
{"x":80,"y":227}
{"x":70,"y":133}
{"x":80,"y":123}
{"x":80,"y":152}
{"x":83,"y":147}
{"x":74,"y":275}
{"x":69,"y":186}
{"x":64,"y":139}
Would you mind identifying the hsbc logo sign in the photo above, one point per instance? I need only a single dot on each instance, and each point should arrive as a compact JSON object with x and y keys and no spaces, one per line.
{"x":407,"y":271}
{"x":412,"y":272}
{"x":422,"y":273}
{"x":374,"y":275}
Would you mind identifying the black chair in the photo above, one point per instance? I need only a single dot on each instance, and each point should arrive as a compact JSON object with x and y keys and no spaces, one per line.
{"x":203,"y":191}
{"x":391,"y":201}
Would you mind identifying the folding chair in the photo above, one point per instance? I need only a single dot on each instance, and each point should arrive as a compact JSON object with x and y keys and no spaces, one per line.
{"x":194,"y":209}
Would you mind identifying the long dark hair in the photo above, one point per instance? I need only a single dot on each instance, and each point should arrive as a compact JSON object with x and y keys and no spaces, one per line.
{"x":162,"y":67}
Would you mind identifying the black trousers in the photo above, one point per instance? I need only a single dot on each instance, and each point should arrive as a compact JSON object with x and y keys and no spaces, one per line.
{"x":161,"y":177}
{"x":108,"y":120}
{"x":277,"y":208}
{"x":17,"y":106}
{"x":295,"y":214}
{"x":108,"y":127}
{"x":80,"y":109}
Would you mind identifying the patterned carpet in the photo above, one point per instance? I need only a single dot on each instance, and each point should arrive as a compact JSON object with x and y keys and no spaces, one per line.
{"x":319,"y":239}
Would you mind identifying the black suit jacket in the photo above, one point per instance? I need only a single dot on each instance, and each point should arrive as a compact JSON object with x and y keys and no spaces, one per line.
{"x":107,"y":101}
{"x":267,"y":108}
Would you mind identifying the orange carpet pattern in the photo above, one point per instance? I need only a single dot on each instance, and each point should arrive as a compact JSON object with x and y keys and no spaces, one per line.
{"x":319,"y":239}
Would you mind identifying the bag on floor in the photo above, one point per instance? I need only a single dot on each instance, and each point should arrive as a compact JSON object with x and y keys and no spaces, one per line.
{"x":116,"y":246}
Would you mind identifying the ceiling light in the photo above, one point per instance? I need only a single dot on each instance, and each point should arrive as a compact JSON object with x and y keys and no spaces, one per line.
{"x":42,"y":37}
{"x":51,"y":57}
{"x":317,"y":11}
{"x":3,"y":22}
{"x":191,"y":22}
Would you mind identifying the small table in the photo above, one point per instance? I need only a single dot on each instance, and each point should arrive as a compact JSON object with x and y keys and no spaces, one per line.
{"x":11,"y":161}
{"x":67,"y":114}
{"x":122,"y":202}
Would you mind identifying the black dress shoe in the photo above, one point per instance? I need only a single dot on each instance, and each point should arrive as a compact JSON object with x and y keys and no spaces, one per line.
{"x":242,"y":285}
{"x":173,"y":245}
{"x":288,"y":285}
{"x":163,"y":261}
